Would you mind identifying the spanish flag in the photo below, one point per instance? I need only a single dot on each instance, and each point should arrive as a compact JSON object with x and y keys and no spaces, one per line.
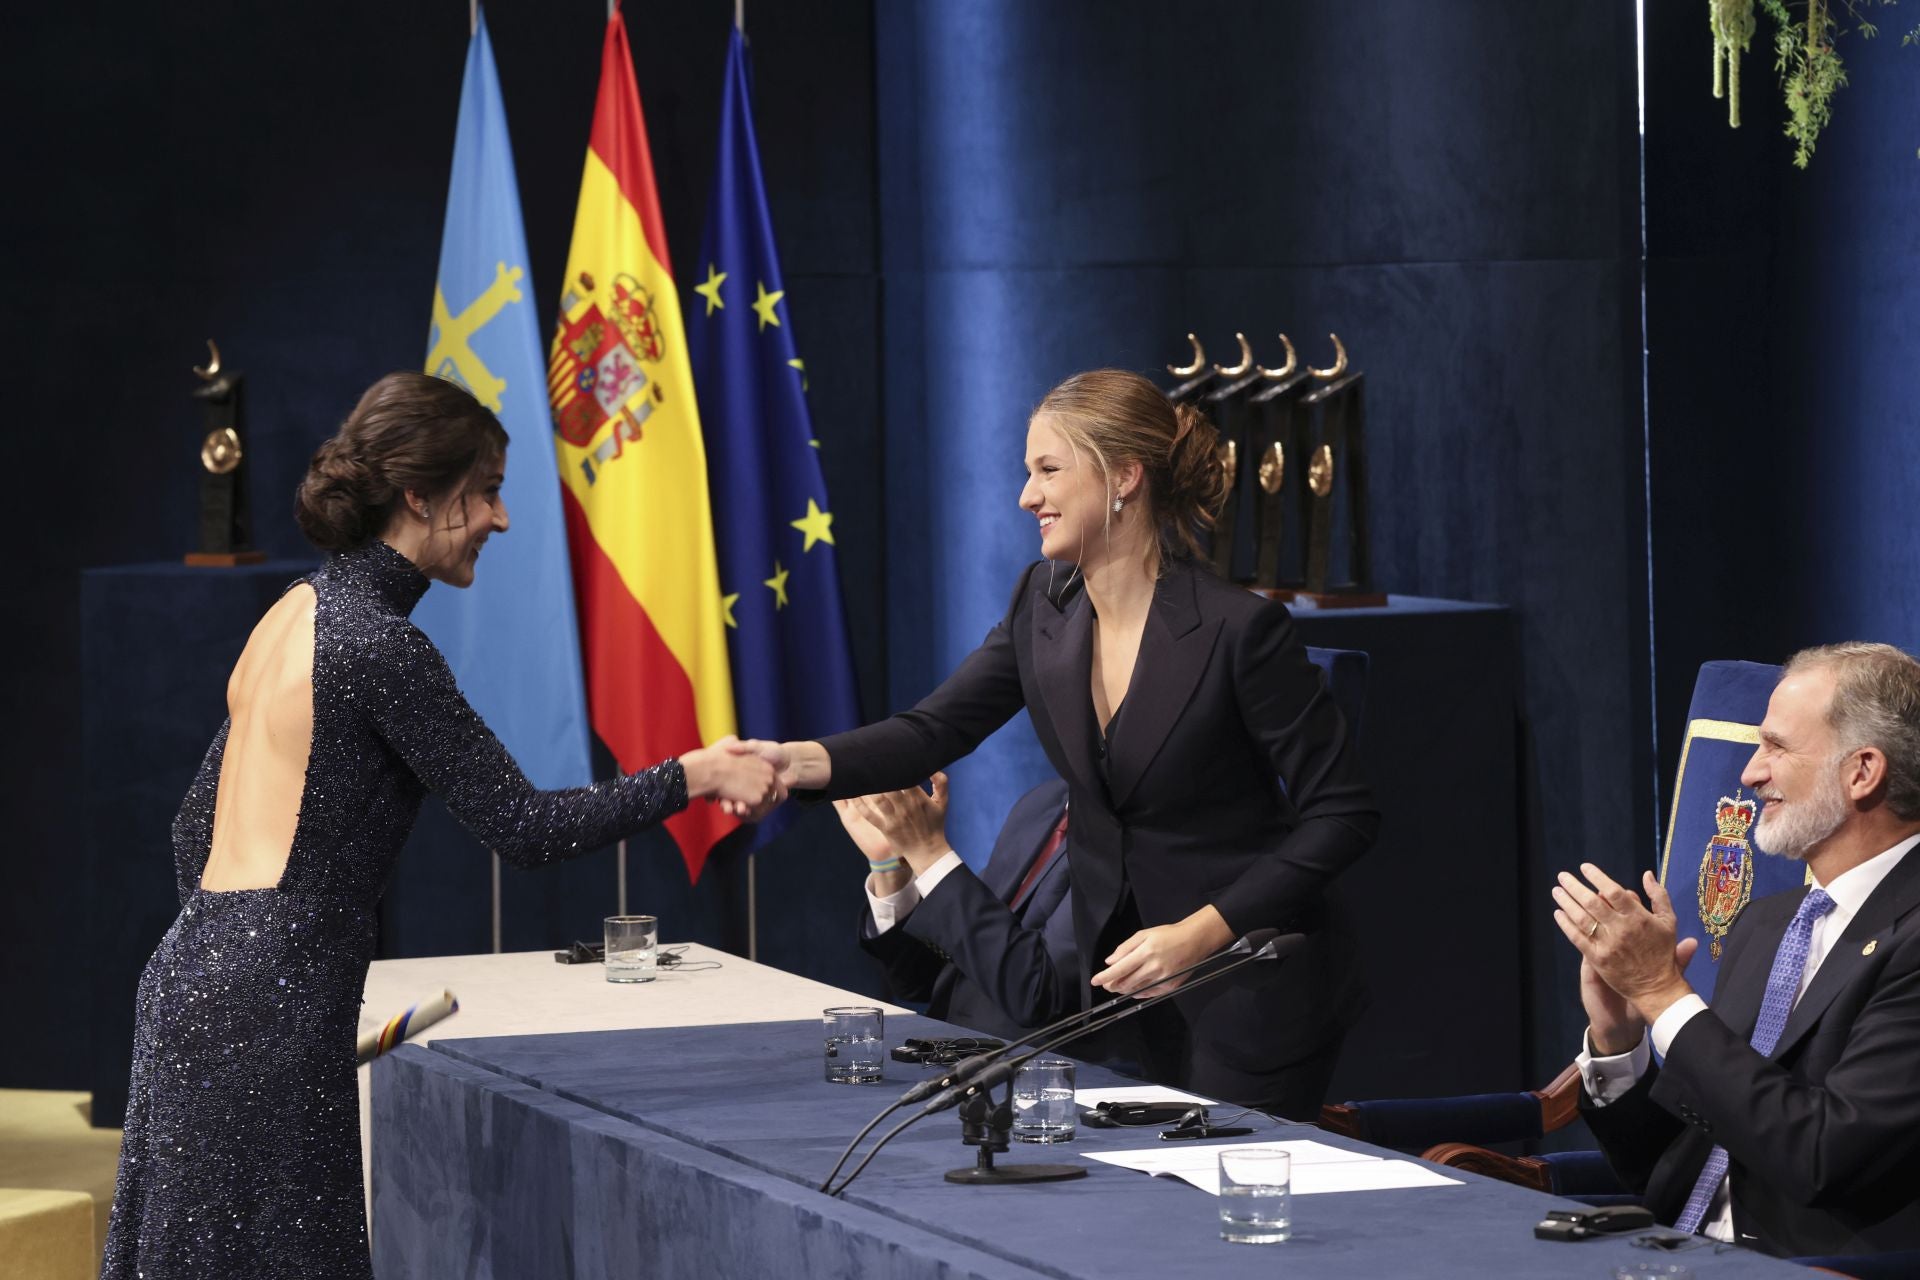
{"x":633,"y":468}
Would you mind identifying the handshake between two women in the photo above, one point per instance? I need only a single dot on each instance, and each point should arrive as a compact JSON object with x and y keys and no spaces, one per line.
{"x":745,"y":777}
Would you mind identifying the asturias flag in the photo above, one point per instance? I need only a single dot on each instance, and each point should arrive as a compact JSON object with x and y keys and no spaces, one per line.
{"x":633,"y":468}
{"x":792,"y":669}
{"x":511,"y":637}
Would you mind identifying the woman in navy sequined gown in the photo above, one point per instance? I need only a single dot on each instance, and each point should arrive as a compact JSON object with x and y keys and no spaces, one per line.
{"x":242,"y":1150}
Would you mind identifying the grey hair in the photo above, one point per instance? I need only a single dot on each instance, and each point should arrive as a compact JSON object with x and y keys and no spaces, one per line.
{"x":1876,"y":703}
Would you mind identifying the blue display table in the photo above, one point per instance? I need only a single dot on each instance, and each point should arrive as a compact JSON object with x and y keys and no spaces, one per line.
{"x":693,"y":1152}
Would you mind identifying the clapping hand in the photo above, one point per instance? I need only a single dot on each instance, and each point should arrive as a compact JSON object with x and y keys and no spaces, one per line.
{"x":910,"y":823}
{"x":1631,"y":967}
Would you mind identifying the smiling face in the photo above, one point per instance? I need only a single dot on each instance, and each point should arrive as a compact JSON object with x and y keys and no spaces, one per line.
{"x":462,"y":522}
{"x":1065,"y":491}
{"x":1794,"y":770}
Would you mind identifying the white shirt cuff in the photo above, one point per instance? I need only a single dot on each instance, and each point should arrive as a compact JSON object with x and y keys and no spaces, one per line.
{"x":1608,"y":1079}
{"x":947,"y":863}
{"x":891,"y":909}
{"x":1668,"y":1024}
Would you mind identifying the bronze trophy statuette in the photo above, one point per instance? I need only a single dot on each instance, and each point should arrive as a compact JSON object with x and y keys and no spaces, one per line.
{"x":226,"y":526}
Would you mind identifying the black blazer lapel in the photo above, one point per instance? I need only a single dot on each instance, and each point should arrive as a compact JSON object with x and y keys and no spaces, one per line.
{"x":1898,"y":894}
{"x":1063,"y":668}
{"x":1172,"y":658}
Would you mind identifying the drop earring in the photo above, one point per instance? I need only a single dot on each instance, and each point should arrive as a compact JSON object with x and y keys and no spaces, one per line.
{"x":1118,"y":502}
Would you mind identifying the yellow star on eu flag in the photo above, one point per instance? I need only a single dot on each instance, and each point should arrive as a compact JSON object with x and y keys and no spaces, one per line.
{"x":764,"y":304}
{"x":801,"y":365}
{"x":816,"y":524}
{"x":726,"y":609}
{"x":711,"y":289}
{"x":779,"y":584}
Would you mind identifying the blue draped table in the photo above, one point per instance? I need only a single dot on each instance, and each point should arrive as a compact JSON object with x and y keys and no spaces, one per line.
{"x":695,"y":1151}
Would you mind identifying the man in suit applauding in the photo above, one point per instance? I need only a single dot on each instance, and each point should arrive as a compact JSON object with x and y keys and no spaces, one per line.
{"x":993,"y":952}
{"x":1785,"y":1116}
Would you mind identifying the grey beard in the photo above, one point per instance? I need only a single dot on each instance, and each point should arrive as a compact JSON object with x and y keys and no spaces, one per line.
{"x":1795,"y":834}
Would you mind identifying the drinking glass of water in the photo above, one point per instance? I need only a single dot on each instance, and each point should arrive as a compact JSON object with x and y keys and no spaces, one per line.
{"x":1043,"y":1109}
{"x":1256,"y":1196}
{"x":632,"y":945}
{"x":855,"y":1036}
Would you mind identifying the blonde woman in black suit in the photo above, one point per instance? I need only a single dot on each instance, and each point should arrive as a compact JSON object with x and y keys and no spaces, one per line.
{"x":1214,"y":786}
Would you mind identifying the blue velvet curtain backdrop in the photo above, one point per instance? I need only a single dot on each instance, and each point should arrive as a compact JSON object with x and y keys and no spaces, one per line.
{"x":974,"y":200}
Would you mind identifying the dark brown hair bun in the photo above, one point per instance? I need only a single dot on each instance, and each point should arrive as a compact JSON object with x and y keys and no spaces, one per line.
{"x":409,"y":431}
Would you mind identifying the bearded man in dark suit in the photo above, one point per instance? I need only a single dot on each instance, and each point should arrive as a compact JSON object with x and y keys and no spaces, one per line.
{"x":1785,"y":1115}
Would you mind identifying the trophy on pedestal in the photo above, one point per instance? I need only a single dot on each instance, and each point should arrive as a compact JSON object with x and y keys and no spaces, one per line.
{"x":1292,"y":444}
{"x":1226,"y":405}
{"x":1336,"y":478}
{"x":1278,"y":446}
{"x":226,"y":525}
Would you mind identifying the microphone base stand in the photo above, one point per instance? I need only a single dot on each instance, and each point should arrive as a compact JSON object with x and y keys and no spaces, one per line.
{"x":988,"y":1127}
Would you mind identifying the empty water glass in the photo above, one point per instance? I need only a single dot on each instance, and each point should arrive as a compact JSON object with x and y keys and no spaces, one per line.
{"x":1043,"y":1109}
{"x":1256,"y":1196}
{"x":633,"y":942}
{"x":855,"y":1036}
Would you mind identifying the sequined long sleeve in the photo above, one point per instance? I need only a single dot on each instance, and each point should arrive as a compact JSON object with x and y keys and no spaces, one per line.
{"x":408,"y":693}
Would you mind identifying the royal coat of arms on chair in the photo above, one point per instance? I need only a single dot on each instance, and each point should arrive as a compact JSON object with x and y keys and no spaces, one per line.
{"x":1726,"y":870}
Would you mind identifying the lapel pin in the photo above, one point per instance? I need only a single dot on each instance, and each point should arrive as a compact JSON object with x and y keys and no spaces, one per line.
{"x":1871,"y":944}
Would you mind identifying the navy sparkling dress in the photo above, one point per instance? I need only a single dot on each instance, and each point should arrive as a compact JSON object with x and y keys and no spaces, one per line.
{"x":242,"y":1147}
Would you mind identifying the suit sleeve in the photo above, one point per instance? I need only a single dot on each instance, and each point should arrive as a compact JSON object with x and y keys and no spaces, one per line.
{"x":1031,"y":975}
{"x":911,"y":964}
{"x":982,"y":694}
{"x":408,"y":692}
{"x":1633,"y":1131}
{"x":1821,"y":1143}
{"x":1288,"y":712}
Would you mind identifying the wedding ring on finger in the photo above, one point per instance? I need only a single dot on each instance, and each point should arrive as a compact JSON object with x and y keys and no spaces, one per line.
{"x":1593,"y":930}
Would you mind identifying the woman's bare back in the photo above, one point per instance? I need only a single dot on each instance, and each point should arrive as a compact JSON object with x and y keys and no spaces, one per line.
{"x":263,"y":771}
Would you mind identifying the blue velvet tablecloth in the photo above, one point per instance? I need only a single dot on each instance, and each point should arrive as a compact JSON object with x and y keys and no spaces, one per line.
{"x":690,"y":1152}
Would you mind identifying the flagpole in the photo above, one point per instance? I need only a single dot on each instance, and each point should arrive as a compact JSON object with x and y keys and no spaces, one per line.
{"x":496,"y":904}
{"x":753,"y":908}
{"x":620,"y":872}
{"x":473,"y":18}
{"x":740,"y":15}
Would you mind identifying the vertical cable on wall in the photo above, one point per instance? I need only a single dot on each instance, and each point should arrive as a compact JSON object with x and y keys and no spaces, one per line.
{"x":1646,"y":405}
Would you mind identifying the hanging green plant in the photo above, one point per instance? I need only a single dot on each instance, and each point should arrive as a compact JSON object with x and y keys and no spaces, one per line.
{"x":1810,"y":68}
{"x":1732,"y":22}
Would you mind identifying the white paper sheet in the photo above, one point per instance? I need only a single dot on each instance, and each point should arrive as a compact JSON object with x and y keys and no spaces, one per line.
{"x":1317,"y":1167}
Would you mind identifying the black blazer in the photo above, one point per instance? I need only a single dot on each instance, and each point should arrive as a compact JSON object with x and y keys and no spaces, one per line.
{"x":975,"y":962}
{"x":1822,"y":1135}
{"x":1232,"y":781}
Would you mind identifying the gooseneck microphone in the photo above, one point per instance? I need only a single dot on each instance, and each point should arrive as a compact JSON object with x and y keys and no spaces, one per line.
{"x":984,"y":1072}
{"x":967,"y":1068}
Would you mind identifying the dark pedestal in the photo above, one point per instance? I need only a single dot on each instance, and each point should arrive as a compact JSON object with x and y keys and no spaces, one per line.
{"x":1437,"y":899}
{"x":156,"y":644}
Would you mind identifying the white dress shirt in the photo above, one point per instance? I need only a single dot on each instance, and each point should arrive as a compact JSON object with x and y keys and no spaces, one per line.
{"x":1610,"y":1077}
{"x":890,"y":909}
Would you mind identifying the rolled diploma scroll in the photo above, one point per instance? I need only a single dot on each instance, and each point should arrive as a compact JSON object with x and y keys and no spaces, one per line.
{"x":407,"y":1025}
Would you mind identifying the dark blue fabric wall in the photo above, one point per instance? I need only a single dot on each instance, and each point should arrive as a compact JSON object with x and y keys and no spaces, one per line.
{"x":1784,"y":381}
{"x":1452,"y":188}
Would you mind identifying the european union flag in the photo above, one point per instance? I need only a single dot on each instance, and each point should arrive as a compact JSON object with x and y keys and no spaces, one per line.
{"x":779,"y":583}
{"x":511,"y":638}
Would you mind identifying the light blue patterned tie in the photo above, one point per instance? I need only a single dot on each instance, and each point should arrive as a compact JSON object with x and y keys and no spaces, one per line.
{"x":1789,"y":962}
